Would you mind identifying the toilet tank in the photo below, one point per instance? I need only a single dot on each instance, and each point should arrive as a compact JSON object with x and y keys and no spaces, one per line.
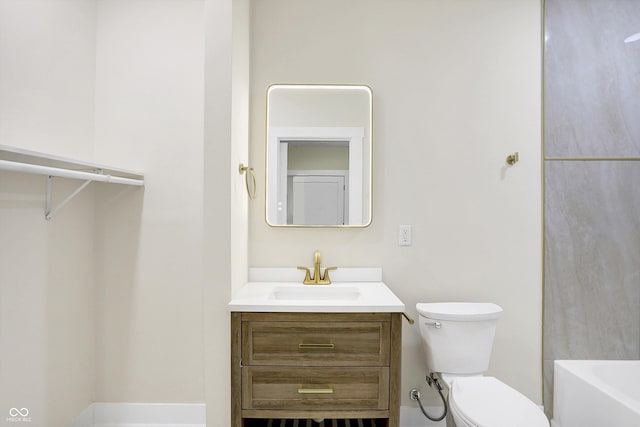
{"x":457,"y":337}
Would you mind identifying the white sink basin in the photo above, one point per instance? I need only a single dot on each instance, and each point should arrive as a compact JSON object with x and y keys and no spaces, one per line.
{"x":280,"y":290}
{"x":315,"y":293}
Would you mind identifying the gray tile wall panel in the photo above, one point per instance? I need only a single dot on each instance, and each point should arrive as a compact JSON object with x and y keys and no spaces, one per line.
{"x":592,"y":262}
{"x":592,"y":78}
{"x":592,"y":211}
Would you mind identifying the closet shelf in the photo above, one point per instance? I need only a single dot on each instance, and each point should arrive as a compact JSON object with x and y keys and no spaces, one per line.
{"x":18,"y":158}
{"x":25,"y":161}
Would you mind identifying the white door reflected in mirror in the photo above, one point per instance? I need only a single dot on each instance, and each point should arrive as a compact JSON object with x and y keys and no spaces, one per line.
{"x":317,"y":199}
{"x":319,"y":156}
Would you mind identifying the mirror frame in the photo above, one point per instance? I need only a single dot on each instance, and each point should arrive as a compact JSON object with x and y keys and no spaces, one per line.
{"x":344,"y":133}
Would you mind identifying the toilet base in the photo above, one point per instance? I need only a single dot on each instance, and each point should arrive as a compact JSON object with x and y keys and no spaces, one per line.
{"x":486,"y":401}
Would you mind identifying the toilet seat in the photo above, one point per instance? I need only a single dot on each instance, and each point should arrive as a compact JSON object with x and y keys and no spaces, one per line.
{"x":488,"y":402}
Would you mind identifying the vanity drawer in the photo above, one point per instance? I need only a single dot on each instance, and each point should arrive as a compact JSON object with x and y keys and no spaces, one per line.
{"x":308,"y":389}
{"x":316,"y":343}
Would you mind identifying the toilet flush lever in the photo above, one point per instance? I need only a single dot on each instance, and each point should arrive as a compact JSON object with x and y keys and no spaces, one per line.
{"x":436,"y":324}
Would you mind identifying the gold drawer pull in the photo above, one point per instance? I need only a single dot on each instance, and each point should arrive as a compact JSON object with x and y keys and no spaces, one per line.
{"x":315,"y":391}
{"x":302,"y":346}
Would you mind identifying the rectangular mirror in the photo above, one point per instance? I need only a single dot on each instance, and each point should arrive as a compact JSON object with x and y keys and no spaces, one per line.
{"x":318,"y":154}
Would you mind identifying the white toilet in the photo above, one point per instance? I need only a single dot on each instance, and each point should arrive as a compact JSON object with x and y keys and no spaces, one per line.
{"x":457,"y":340}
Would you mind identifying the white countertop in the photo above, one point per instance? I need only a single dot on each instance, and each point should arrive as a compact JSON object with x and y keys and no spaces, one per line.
{"x":362,"y":292}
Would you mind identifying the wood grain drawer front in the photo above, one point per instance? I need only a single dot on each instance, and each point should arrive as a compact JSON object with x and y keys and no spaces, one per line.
{"x":308,"y":389}
{"x":316,"y":343}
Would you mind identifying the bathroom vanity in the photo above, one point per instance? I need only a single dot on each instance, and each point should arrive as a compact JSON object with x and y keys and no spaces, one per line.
{"x":315,"y":353}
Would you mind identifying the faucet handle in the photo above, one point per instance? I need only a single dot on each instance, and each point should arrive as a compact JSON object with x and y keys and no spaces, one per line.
{"x":325,"y":277}
{"x":307,"y":276}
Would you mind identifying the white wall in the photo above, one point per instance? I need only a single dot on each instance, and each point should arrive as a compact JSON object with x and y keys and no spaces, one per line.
{"x":46,"y":295}
{"x":150,"y":117}
{"x":225,"y":198}
{"x":240,"y":96}
{"x":47,"y":73}
{"x":47,"y":63}
{"x":159,"y":257}
{"x":456,"y":89}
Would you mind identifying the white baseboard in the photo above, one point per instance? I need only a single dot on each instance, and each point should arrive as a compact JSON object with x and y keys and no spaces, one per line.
{"x":150,"y":414}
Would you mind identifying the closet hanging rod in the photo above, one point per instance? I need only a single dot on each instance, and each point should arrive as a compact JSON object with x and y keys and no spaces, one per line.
{"x":66,"y":173}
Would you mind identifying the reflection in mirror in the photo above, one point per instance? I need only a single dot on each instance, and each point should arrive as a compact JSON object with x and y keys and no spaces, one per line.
{"x":318,"y":156}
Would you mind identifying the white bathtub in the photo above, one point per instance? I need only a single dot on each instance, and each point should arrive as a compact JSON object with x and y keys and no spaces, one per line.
{"x":596,"y":393}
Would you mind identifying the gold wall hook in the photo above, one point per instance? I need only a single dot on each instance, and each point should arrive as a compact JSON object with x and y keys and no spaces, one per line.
{"x":512,"y":159}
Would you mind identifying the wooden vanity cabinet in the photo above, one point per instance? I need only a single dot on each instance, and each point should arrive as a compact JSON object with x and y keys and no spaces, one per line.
{"x":315,"y":365}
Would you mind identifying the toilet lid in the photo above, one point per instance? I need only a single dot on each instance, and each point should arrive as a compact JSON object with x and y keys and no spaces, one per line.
{"x":488,"y":402}
{"x":459,"y":311}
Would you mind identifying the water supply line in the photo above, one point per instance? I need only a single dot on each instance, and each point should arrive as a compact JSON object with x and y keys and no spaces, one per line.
{"x":415,"y":395}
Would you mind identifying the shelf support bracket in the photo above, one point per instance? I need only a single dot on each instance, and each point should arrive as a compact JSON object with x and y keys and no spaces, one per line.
{"x":49,"y":212}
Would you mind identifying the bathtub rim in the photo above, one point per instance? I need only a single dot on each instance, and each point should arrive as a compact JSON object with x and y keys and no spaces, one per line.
{"x":579,"y":369}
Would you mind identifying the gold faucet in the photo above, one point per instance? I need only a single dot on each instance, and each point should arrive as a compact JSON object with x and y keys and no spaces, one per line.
{"x":317,"y":278}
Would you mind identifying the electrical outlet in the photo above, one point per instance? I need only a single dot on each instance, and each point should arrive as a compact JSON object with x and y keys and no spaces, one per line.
{"x":404,"y":235}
